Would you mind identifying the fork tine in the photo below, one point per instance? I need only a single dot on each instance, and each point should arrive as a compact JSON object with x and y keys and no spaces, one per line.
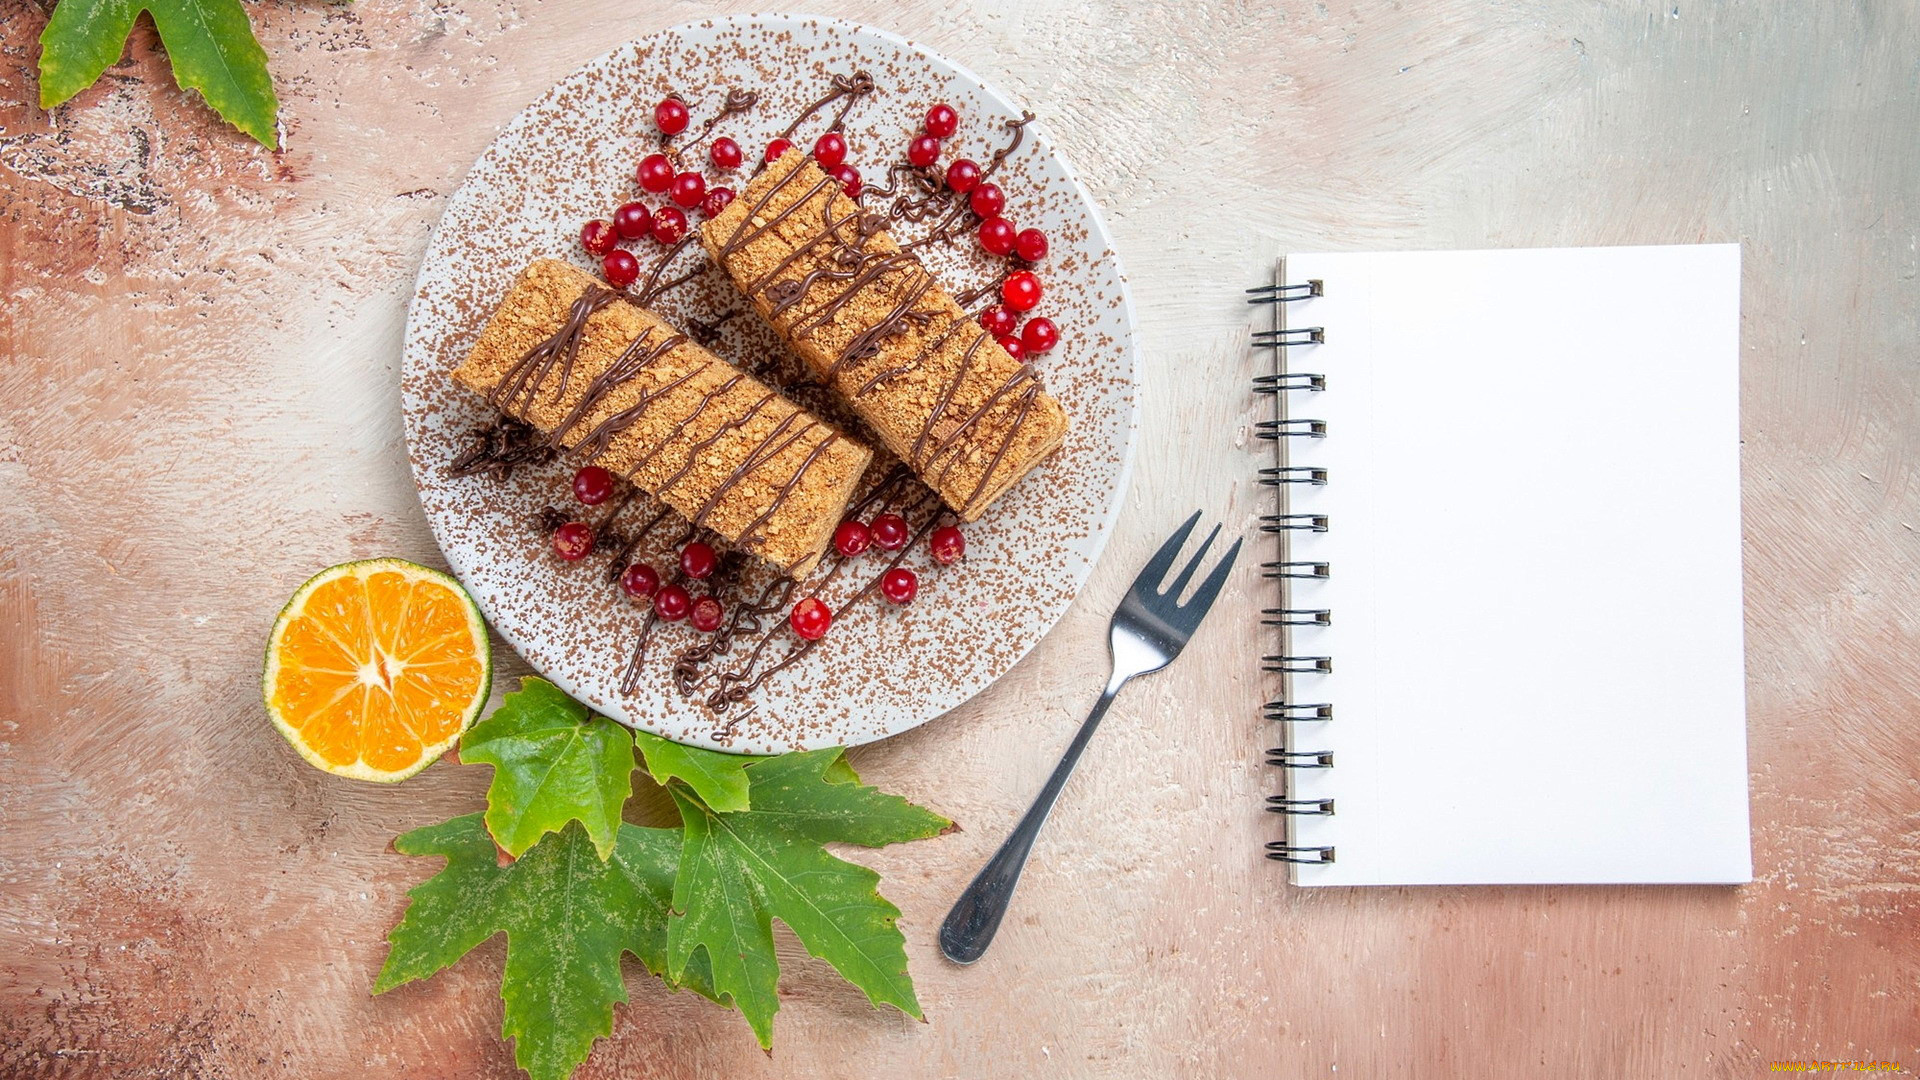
{"x":1156,"y":567}
{"x":1186,"y":573}
{"x":1210,"y":588}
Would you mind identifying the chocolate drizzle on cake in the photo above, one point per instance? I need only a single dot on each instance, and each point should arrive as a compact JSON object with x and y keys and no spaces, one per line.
{"x":852,"y":261}
{"x":556,"y":356}
{"x":559,"y":350}
{"x":634,"y":359}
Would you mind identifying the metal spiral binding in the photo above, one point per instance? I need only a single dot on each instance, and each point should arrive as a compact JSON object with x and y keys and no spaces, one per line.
{"x":1296,"y":711}
{"x":1298,"y":335}
{"x":1277,"y":570}
{"x":1285,"y":616}
{"x":1290,"y":429}
{"x":1282,"y":522}
{"x":1280,"y":852}
{"x":1300,"y":759}
{"x":1288,"y":380}
{"x":1280,"y":431}
{"x":1275,"y":475}
{"x":1280,"y":804}
{"x":1280,"y":294}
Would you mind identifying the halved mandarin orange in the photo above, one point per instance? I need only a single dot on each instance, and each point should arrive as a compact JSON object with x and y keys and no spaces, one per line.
{"x":374,"y":668}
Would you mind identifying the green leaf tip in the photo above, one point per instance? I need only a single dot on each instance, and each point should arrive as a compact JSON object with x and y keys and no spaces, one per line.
{"x":719,"y":780}
{"x":209,"y":43}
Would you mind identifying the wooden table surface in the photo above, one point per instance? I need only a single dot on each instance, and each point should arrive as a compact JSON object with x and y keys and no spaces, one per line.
{"x":198,"y":409}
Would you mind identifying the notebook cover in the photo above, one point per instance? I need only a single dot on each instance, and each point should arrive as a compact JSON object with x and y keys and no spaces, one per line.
{"x":1533,"y":503}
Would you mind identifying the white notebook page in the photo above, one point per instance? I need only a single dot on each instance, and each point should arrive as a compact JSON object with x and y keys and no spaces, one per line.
{"x":1533,"y":504}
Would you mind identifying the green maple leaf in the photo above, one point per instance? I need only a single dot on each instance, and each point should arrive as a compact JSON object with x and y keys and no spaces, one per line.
{"x":553,"y":762}
{"x":567,"y":915}
{"x":739,"y":871}
{"x":209,"y":43}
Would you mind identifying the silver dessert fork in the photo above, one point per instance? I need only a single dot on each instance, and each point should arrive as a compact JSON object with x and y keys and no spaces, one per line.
{"x":1148,"y":631}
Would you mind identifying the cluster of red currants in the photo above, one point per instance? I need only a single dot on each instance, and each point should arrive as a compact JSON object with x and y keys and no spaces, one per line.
{"x":888,"y":532}
{"x":1020,"y":292}
{"x":671,"y":603}
{"x":685,"y":190}
{"x":593,"y":485}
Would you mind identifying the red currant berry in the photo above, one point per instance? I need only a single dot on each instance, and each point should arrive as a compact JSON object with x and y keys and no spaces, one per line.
{"x":1012,"y":345}
{"x":810,"y":618}
{"x":890,"y":531}
{"x":830,"y":149}
{"x":947,"y":544}
{"x":998,"y":321}
{"x":849,"y":178}
{"x":654,"y":173}
{"x":706,"y":614}
{"x":923,"y":151}
{"x":598,"y":237}
{"x":851,"y":538}
{"x":1039,"y":335}
{"x":776,"y":148}
{"x":689,"y":188}
{"x":725,"y":154}
{"x":697,"y":560}
{"x":1021,"y":291}
{"x":899,"y":585}
{"x":669,"y":224}
{"x":573,"y":540}
{"x":716,"y":201}
{"x":670,"y":116}
{"x":592,"y":485}
{"x":962,"y":175}
{"x":639,"y":580}
{"x":671,"y":603}
{"x":632,"y":221}
{"x":1031,"y":244}
{"x":987,"y":200}
{"x":942,"y":120}
{"x":621,"y":268}
{"x":996,"y":236}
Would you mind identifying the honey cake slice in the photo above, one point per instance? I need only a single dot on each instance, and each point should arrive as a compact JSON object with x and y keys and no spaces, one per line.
{"x":596,"y":374}
{"x":872,"y":323}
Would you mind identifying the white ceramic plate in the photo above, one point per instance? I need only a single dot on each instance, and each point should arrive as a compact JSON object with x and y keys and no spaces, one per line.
{"x":569,"y":158}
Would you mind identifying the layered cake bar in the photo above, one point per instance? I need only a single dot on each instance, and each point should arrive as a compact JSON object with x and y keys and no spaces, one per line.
{"x":602,"y":376}
{"x":874,"y":325}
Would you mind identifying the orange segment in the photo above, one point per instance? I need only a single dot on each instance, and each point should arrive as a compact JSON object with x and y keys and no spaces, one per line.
{"x":387,"y":596}
{"x":375,"y":668}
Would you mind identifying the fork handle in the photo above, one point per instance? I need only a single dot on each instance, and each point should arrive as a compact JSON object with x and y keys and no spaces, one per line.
{"x":970,"y":926}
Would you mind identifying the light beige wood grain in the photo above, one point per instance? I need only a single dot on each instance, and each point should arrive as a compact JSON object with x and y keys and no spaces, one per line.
{"x":197,"y":409}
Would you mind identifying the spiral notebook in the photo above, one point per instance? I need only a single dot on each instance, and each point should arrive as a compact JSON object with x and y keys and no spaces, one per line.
{"x":1508,"y":623}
